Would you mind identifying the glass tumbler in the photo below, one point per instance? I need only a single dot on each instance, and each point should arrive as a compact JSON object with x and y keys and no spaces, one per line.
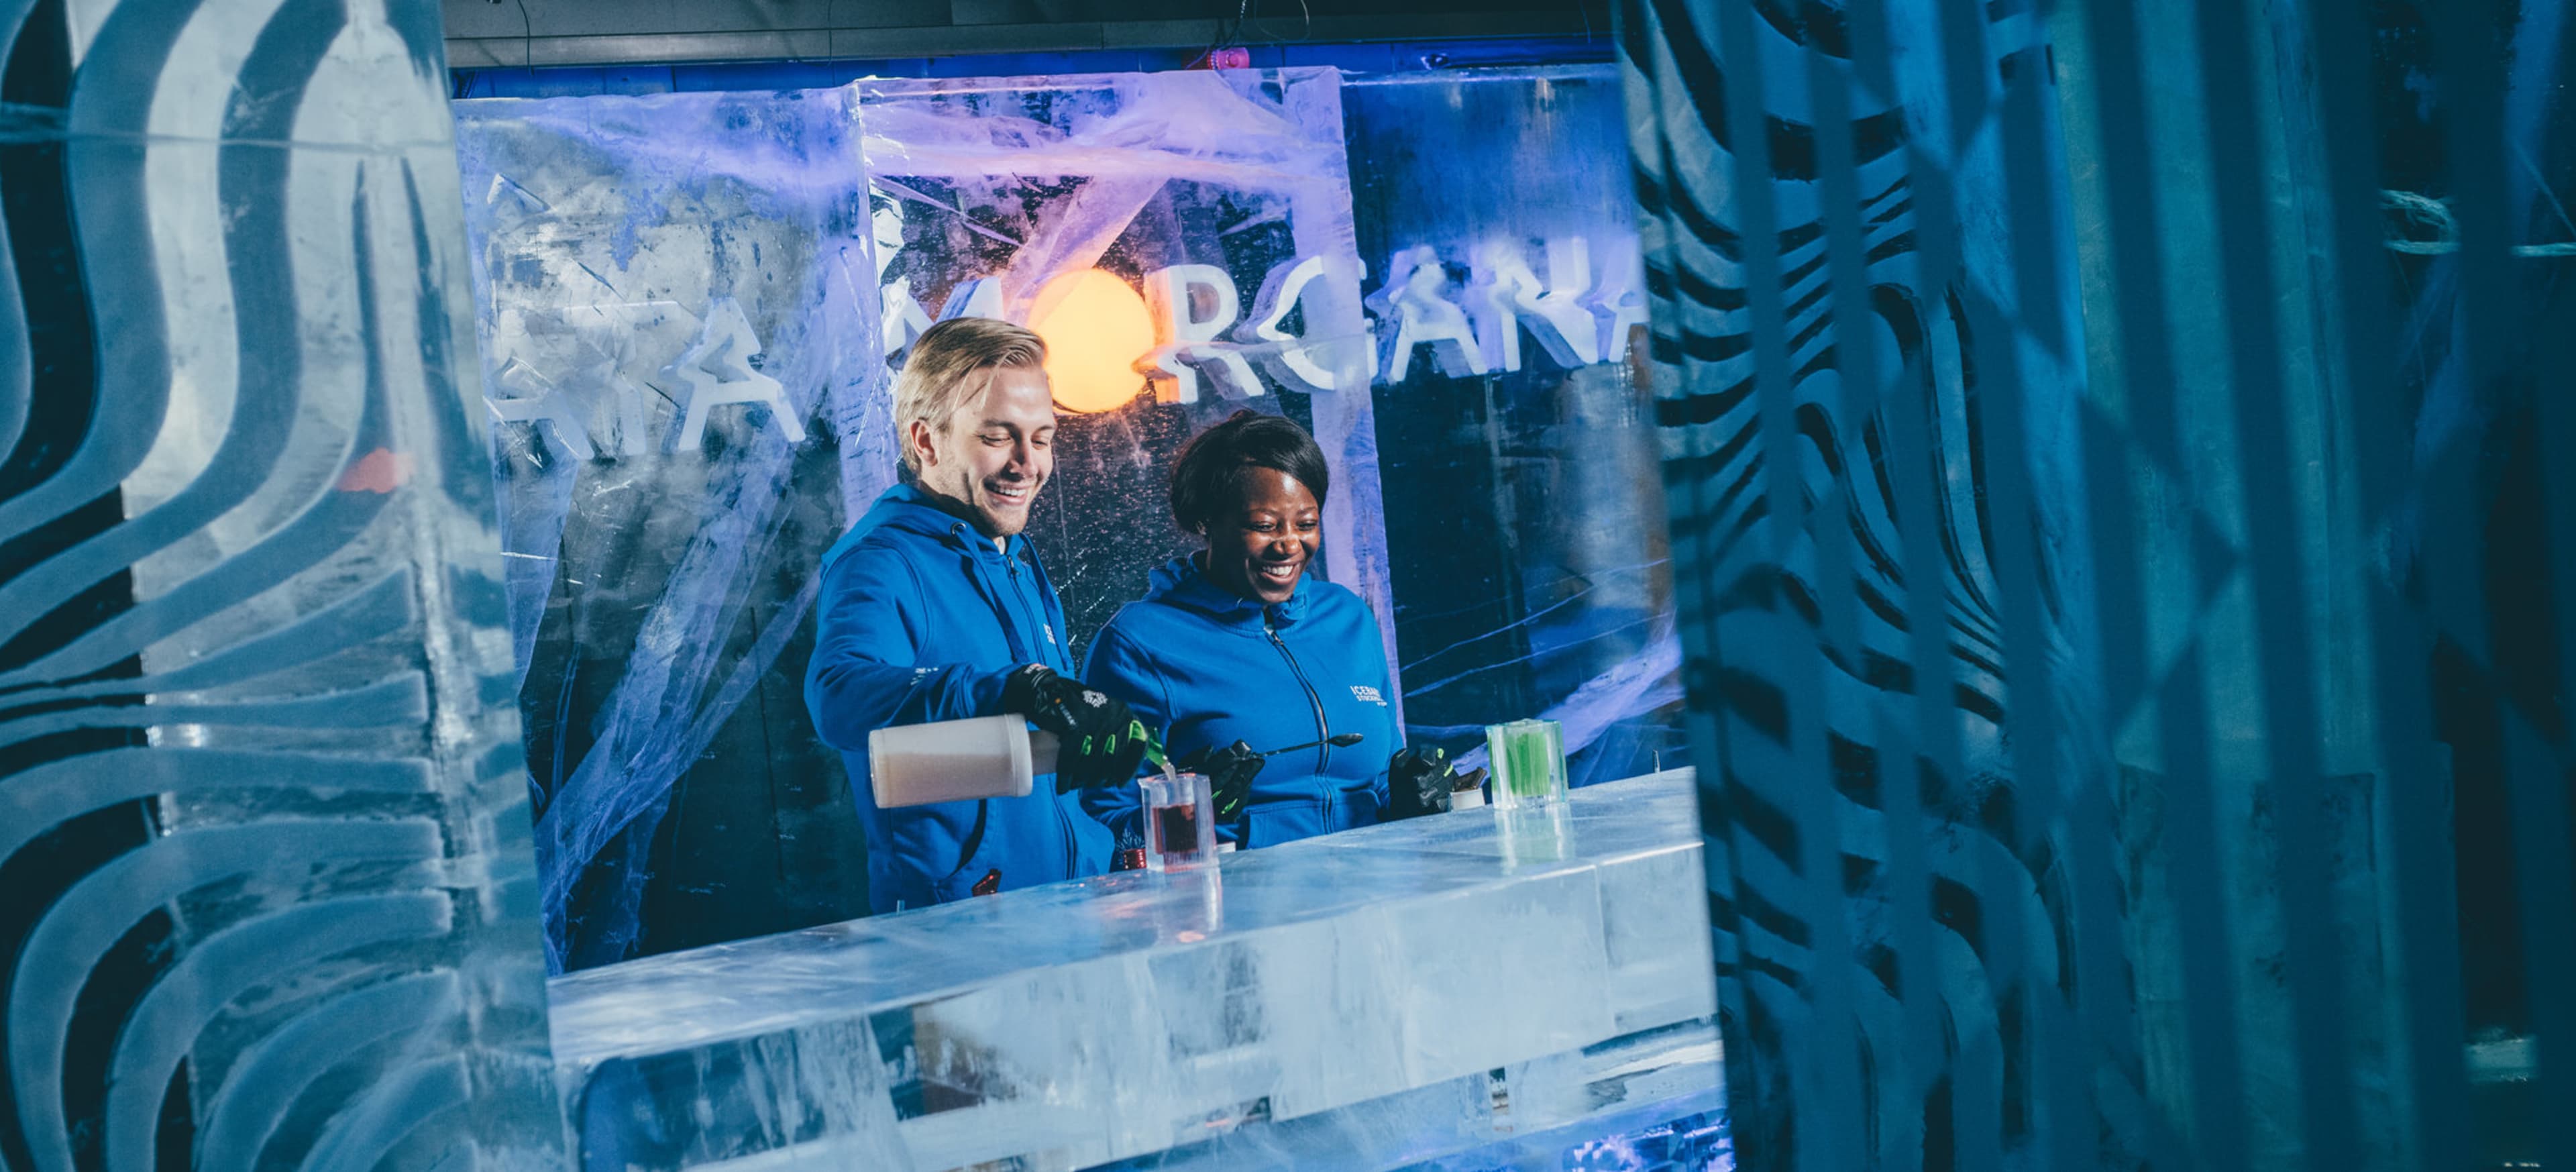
{"x":1528,"y":762}
{"x":1180,"y":821}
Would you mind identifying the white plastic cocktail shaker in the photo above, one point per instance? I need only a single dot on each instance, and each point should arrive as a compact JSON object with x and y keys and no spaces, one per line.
{"x":957,"y":760}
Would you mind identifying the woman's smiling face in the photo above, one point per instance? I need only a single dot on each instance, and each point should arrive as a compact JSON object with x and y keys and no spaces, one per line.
{"x":1260,"y":546}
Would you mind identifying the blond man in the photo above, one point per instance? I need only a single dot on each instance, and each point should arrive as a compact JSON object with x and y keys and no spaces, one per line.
{"x":933,"y":608}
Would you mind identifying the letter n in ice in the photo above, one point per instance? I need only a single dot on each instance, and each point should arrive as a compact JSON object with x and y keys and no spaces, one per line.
{"x":1506,"y":296}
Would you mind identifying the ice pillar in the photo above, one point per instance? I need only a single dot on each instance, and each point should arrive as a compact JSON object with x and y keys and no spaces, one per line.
{"x":262,"y":820}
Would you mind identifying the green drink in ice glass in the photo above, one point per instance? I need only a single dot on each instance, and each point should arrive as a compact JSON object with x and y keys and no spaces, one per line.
{"x":1528,"y":758}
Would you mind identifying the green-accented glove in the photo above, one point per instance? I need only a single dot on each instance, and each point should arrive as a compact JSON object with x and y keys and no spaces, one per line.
{"x":1418,"y":782}
{"x":1099,"y":741}
{"x":1229,"y":771}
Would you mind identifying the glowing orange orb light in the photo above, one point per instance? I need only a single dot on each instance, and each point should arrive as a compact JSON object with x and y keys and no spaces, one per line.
{"x":1095,"y":328}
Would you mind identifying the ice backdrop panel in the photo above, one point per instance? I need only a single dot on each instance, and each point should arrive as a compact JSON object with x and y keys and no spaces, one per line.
{"x":1530,"y":572}
{"x":2140,"y":738}
{"x":690,"y":385}
{"x":1219,"y":204}
{"x":262,"y":826}
{"x":681,"y":372}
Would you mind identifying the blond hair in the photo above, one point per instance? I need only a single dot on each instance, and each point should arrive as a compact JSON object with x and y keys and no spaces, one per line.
{"x":941,"y":373}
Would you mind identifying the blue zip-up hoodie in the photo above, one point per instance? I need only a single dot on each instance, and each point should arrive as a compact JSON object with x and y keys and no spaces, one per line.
{"x":1203,"y":666}
{"x":920,"y":619}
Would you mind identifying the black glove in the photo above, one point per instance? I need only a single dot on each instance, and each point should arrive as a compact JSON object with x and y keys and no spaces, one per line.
{"x":1099,"y":742}
{"x":1419,"y":781}
{"x":1229,"y":772}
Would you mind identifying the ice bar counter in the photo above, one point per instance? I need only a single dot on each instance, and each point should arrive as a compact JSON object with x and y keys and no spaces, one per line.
{"x":1430,"y":993}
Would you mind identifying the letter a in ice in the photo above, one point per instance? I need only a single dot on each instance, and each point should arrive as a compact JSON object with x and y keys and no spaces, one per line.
{"x":716,"y":370}
{"x":1413,"y":297}
{"x":539,"y":400}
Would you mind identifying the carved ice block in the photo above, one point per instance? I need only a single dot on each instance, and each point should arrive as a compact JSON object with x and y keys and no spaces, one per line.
{"x":1359,"y":1000}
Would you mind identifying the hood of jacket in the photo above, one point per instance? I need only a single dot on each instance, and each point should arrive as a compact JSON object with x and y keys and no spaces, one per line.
{"x":907,"y":510}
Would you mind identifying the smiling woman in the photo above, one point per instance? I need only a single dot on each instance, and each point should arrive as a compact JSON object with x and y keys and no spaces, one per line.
{"x":1261,"y":547}
{"x":1254,"y":487}
{"x":1270,"y":682}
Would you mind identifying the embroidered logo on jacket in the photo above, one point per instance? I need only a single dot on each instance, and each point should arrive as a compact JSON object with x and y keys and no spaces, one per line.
{"x":1367,"y":695}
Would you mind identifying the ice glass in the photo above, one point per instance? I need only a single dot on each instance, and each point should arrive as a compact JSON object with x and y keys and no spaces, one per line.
{"x":1180,"y":822}
{"x":1528,"y":762}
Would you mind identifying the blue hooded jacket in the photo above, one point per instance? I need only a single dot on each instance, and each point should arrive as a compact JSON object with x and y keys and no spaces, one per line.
{"x":920,"y":619}
{"x":1203,"y":667}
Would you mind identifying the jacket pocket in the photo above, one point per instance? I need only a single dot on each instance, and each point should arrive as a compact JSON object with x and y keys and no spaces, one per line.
{"x":955,"y":887}
{"x":1354,"y":806}
{"x":1285,"y":820}
{"x":948,"y":857}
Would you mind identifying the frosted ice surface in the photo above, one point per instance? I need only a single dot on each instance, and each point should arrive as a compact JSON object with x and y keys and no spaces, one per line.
{"x":694,"y":303}
{"x":1495,"y":209}
{"x":1397,"y":994}
{"x":680,"y":343}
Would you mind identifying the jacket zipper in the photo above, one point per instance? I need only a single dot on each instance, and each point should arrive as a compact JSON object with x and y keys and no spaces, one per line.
{"x":1020,"y":602}
{"x":1323,"y":731}
{"x":1055,"y":807}
{"x":1055,"y":804}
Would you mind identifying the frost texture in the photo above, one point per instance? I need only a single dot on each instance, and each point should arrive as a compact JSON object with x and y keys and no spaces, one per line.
{"x":1530,"y":569}
{"x":269,"y":901}
{"x":660,"y":276}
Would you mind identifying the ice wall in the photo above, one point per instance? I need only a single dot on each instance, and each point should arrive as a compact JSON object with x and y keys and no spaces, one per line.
{"x":1866,"y":372}
{"x":694,"y":305}
{"x":684,"y":389}
{"x":1530,"y":569}
{"x":2113,"y":450}
{"x":263,"y":836}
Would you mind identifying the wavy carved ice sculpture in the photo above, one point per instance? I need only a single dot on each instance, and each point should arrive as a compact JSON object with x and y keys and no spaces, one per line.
{"x":265,"y":894}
